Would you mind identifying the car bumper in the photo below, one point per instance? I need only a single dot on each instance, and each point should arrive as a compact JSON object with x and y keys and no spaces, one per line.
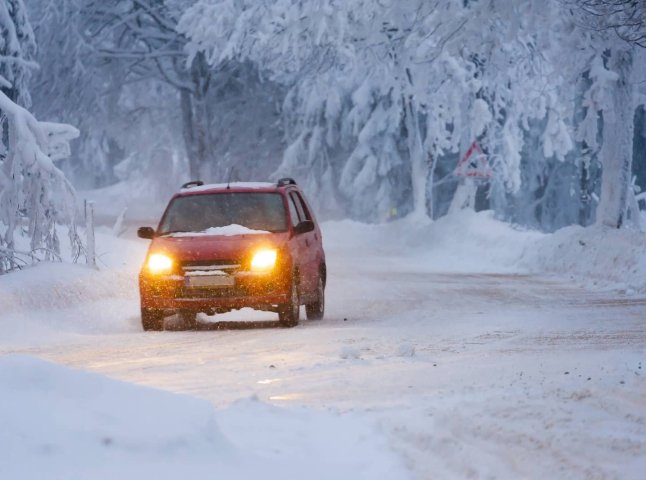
{"x":172,"y":293}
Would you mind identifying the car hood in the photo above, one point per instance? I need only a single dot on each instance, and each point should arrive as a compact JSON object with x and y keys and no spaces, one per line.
{"x":215,"y":247}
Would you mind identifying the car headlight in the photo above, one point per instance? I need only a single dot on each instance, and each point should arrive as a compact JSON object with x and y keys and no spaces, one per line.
{"x":159,"y":263}
{"x":264,"y":260}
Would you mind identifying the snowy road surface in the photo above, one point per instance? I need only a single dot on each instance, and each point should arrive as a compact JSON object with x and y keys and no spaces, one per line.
{"x":467,"y":375}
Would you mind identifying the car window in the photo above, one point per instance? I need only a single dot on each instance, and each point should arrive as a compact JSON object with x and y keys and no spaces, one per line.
{"x":197,"y":213}
{"x":302,"y":212}
{"x":293,"y":212}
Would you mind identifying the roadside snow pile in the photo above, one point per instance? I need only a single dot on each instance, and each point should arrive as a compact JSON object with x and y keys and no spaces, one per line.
{"x":597,"y":256}
{"x":50,"y":299}
{"x":470,"y":242}
{"x":467,"y":242}
{"x":60,"y":285}
{"x":63,"y":423}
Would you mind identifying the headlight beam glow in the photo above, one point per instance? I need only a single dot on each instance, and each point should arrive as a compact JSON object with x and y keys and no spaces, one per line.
{"x":263,"y":260}
{"x":159,"y":263}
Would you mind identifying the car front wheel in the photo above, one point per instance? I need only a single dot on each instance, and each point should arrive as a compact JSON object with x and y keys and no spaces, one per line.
{"x":316,"y":310}
{"x":288,"y":313}
{"x":152,"y":319}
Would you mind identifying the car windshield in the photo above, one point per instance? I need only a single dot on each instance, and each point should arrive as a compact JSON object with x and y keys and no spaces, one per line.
{"x":198,"y":213}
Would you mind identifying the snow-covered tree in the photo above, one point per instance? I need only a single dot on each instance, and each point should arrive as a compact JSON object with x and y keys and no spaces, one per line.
{"x":74,"y":86}
{"x":619,"y":28}
{"x":34,"y":193}
{"x":17,"y":50}
{"x":626,"y":18}
{"x":380,"y":91}
{"x":378,"y":100}
{"x":140,"y":37}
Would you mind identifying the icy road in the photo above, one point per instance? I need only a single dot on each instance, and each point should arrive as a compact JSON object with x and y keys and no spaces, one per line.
{"x":468,"y":375}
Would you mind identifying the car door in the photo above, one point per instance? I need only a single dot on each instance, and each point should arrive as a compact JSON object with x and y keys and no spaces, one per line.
{"x":307,"y":249}
{"x":297,"y":242}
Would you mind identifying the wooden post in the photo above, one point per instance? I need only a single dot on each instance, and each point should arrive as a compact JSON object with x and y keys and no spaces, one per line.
{"x":89,"y":231}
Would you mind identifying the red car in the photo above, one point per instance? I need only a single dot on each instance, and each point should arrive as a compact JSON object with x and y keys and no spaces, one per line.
{"x":229,"y":246}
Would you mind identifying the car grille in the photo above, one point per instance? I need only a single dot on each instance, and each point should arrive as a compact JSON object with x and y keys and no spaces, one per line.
{"x":225,"y":265}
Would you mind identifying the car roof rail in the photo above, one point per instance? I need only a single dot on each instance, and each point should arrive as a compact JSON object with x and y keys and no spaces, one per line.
{"x":193,"y":183}
{"x":286,"y":181}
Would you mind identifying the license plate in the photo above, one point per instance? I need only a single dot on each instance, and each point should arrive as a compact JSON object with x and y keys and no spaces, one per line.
{"x":209,"y":281}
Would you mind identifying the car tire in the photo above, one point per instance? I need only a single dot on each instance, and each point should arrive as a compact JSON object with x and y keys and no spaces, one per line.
{"x":316,"y":310}
{"x":288,"y":314}
{"x":152,"y":319}
{"x":188,"y":320}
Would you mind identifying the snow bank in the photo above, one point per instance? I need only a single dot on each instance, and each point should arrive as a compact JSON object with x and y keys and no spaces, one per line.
{"x":466,"y":242}
{"x":63,"y":423}
{"x":470,"y":242}
{"x":597,"y":256}
{"x":49,"y":300}
{"x":73,"y":424}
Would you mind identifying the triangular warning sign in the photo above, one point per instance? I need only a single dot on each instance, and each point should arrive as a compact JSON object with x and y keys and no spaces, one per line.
{"x":474,"y":164}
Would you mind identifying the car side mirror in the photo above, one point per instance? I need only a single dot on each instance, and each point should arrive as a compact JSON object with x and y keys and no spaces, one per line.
{"x":304,"y":227}
{"x":146,"y":232}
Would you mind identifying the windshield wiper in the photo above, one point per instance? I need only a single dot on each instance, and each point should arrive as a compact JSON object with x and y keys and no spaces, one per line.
{"x":169,"y":232}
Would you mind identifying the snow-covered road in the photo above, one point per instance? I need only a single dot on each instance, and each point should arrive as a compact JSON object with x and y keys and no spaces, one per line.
{"x":468,"y":375}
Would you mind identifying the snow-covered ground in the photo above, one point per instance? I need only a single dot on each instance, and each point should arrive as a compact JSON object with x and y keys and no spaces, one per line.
{"x":464,"y":348}
{"x":62,"y":423}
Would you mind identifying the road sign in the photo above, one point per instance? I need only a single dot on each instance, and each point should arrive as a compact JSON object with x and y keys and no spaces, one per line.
{"x":474,"y":163}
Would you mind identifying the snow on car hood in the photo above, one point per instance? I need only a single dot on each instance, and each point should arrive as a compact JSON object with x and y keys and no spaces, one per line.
{"x":227,"y":231}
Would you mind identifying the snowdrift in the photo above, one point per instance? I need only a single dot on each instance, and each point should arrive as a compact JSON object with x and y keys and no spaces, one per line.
{"x":50,"y":300}
{"x":596,"y":256}
{"x":73,"y":424}
{"x":471,"y":242}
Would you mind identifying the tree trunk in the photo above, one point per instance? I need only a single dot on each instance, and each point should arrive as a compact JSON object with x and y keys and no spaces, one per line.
{"x":186,"y":104}
{"x":201,"y":122}
{"x":201,"y":126}
{"x":195,"y":117}
{"x":617,"y":149}
{"x":419,"y":164}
